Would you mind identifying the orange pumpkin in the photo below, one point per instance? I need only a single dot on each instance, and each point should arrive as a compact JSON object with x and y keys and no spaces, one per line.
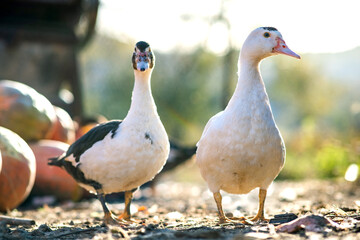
{"x":18,"y":170}
{"x":0,"y":162}
{"x":85,"y":124}
{"x":84,"y":129}
{"x":25,"y":111}
{"x":63,"y":128}
{"x":52,"y":180}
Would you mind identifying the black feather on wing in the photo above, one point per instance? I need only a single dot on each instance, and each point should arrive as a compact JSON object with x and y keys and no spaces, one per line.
{"x":96,"y":134}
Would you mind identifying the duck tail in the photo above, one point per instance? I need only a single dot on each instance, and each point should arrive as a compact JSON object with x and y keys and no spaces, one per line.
{"x":190,"y":151}
{"x":55,"y":161}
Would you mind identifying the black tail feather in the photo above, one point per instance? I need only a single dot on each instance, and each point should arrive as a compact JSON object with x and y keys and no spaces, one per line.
{"x":55,"y":161}
{"x":178,"y":155}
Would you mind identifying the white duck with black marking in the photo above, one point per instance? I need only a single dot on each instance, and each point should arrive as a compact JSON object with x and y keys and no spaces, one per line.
{"x":241,"y":147}
{"x":119,"y":156}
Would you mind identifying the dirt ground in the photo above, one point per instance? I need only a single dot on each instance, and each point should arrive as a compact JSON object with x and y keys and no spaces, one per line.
{"x":188,"y":211}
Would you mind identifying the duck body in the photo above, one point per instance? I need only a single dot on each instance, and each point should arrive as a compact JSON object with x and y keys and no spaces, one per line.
{"x":138,"y":150}
{"x":241,"y":148}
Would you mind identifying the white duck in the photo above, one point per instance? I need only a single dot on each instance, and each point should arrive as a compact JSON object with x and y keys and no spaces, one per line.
{"x":119,"y":156}
{"x":241,"y":147}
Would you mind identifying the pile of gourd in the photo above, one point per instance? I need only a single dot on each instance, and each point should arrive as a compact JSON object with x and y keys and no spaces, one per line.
{"x":31,"y":131}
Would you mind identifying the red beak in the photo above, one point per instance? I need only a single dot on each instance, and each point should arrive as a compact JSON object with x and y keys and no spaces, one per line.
{"x":282,"y":48}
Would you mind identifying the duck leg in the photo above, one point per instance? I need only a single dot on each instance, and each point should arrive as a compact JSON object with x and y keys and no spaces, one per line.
{"x":109,"y":218}
{"x":222,"y":217}
{"x":218,"y":199}
{"x":260,"y":215}
{"x":126,"y":215}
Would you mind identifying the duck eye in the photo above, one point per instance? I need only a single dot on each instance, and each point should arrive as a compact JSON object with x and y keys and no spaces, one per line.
{"x":266,"y":34}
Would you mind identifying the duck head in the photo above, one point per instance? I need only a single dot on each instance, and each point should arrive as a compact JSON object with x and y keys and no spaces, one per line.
{"x":143,"y":58}
{"x":264,"y":42}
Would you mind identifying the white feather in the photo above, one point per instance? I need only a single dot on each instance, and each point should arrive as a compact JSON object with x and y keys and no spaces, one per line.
{"x":241,"y":148}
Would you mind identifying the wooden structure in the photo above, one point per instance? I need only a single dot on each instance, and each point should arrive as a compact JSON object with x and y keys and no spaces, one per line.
{"x":39,"y":41}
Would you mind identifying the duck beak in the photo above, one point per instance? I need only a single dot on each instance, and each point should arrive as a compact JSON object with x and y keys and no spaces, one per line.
{"x":282,"y":48}
{"x":142,"y":65}
{"x":142,"y":62}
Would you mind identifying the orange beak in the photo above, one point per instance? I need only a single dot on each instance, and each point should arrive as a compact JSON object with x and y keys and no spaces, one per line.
{"x":282,"y":48}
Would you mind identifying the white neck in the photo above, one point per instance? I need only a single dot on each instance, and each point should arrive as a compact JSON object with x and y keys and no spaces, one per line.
{"x":142,"y":102}
{"x":250,"y":86}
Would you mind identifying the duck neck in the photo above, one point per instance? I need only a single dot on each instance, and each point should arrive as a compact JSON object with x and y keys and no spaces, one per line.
{"x":250,"y":85}
{"x":142,"y":102}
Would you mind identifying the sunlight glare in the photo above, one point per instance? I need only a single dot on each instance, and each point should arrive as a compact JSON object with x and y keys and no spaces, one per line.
{"x":307,"y":26}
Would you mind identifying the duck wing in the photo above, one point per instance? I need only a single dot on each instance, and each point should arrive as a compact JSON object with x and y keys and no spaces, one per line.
{"x":96,"y":134}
